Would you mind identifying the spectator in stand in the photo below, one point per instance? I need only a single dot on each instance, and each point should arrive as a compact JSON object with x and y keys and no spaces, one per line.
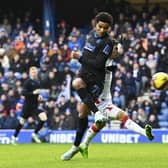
{"x":62,"y":104}
{"x":151,"y":63}
{"x":66,"y":53}
{"x":16,"y":64}
{"x":137,"y":78}
{"x":120,"y":88}
{"x":69,"y":120}
{"x":11,"y":98}
{"x":153,"y":121}
{"x":116,"y":99}
{"x":6,"y":106}
{"x":148,"y":107}
{"x":30,"y":123}
{"x":3,"y":111}
{"x":10,"y":120}
{"x":10,"y":79}
{"x":130,"y":86}
{"x":62,"y":28}
{"x":145,"y":74}
{"x":47,"y":37}
{"x":135,"y":118}
{"x":3,"y":38}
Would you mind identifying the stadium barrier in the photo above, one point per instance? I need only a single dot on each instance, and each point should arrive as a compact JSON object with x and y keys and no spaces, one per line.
{"x":105,"y":136}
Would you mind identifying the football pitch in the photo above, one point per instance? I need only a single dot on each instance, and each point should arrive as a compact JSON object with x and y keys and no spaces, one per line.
{"x":100,"y":156}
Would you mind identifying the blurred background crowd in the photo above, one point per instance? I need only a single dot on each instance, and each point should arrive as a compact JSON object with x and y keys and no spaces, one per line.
{"x":25,"y":42}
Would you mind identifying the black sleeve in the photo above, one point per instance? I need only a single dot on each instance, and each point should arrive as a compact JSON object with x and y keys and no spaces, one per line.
{"x":26,"y":91}
{"x":100,"y":58}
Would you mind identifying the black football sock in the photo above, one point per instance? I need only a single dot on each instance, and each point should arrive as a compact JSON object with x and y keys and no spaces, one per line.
{"x":39,"y":126}
{"x":17,"y":130}
{"x":87,"y":99}
{"x":82,"y":126}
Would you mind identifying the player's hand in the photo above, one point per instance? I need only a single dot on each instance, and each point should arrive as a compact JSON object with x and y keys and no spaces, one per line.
{"x":37,"y":91}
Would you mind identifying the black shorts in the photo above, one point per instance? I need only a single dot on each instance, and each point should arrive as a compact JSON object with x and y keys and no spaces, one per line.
{"x":94,"y":85}
{"x":29,"y":110}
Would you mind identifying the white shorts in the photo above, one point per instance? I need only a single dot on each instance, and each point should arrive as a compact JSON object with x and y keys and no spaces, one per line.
{"x":107,"y":108}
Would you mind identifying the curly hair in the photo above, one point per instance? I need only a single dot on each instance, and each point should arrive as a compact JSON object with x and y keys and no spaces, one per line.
{"x":104,"y":17}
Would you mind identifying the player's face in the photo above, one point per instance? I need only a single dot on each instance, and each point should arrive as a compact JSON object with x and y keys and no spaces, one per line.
{"x":34,"y":73}
{"x":102,"y":28}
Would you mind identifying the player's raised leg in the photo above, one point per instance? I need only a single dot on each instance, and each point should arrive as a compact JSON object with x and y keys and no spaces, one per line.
{"x":119,"y":114}
{"x":114,"y":112}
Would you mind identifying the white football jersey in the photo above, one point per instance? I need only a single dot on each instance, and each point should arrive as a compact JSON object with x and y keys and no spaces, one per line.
{"x":106,"y":93}
{"x":104,"y":102}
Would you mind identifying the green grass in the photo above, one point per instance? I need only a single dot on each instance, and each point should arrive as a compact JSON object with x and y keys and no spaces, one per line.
{"x":100,"y":156}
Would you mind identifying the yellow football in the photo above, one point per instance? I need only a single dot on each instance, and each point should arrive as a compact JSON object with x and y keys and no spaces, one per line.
{"x":160,"y":80}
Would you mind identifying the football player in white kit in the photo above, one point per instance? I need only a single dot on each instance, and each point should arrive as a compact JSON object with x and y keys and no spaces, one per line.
{"x":105,"y":106}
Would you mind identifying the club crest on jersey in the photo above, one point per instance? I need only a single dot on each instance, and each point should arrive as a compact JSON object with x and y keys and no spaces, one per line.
{"x":107,"y":49}
{"x":89,"y":47}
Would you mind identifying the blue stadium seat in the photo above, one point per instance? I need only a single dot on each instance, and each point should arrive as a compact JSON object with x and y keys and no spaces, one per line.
{"x":164,"y":105}
{"x":163,"y":124}
{"x":162,"y":117}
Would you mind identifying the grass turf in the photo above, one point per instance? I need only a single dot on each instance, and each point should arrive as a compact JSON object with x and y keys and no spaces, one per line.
{"x":100,"y":156}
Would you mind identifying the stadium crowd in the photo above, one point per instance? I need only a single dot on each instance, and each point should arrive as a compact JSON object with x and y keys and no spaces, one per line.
{"x":144,"y":52}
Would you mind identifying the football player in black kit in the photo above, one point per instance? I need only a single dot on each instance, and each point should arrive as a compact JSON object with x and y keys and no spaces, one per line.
{"x":31,"y":91}
{"x":89,"y":83}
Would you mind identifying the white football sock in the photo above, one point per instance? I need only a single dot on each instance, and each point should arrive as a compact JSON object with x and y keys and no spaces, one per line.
{"x":131,"y":125}
{"x":90,"y":134}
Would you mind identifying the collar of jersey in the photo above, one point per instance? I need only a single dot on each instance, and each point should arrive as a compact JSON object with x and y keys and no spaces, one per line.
{"x":96,"y":36}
